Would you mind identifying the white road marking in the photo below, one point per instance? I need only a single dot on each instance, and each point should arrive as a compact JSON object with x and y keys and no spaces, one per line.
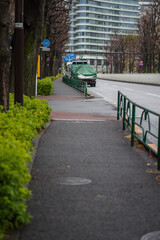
{"x":154,"y":95}
{"x":130,"y":89}
{"x":106,"y":98}
{"x":114,"y":86}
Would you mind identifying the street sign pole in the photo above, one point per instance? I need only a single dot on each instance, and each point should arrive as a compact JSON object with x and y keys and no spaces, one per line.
{"x":19,"y":52}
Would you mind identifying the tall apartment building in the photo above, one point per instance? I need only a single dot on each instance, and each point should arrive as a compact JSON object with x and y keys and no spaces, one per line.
{"x":94,"y":21}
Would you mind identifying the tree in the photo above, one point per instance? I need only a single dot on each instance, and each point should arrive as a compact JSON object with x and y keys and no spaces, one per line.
{"x":57,"y":24}
{"x":115,"y":53}
{"x":43,"y":19}
{"x":33,"y":33}
{"x":149,"y":37}
{"x":4,"y":54}
{"x":57,"y":12}
{"x":122,"y":51}
{"x":131,"y":46}
{"x":33,"y":30}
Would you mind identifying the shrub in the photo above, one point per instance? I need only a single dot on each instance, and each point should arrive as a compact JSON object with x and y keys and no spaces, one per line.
{"x":44,"y":86}
{"x":53,"y":78}
{"x":18,"y":128}
{"x":13,"y":177}
{"x":57,"y":76}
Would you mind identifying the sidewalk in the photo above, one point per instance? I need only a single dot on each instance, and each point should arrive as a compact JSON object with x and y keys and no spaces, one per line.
{"x":87,"y":182}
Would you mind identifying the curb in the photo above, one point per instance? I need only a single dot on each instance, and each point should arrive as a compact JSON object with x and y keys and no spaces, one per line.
{"x":138,"y":131}
{"x":151,"y":145}
{"x":89,"y":95}
{"x":35,"y":145}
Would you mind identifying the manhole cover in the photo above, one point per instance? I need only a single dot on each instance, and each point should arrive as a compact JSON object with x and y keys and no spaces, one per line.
{"x":151,"y":236}
{"x":72,"y":181}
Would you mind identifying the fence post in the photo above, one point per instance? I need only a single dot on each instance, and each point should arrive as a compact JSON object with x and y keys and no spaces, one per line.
{"x":133,"y":124}
{"x":124,"y":113}
{"x":118,"y":105}
{"x":159,"y":143}
{"x":86,"y":90}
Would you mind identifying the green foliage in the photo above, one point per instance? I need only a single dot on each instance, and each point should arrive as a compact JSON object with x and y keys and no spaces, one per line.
{"x":131,"y":42}
{"x":18,"y":127}
{"x":13,"y":176}
{"x":55,"y":77}
{"x":44,"y":86}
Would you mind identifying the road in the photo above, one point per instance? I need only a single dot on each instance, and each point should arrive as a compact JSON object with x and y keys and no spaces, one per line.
{"x":145,"y":95}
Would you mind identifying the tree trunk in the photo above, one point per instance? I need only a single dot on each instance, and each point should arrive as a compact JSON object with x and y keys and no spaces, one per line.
{"x":4,"y":54}
{"x":34,"y":22}
{"x":159,"y":62}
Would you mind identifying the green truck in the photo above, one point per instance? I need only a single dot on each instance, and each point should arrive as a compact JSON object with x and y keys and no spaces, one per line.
{"x":81,"y":70}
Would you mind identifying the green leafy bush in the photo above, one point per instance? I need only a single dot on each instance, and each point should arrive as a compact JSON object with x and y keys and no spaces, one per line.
{"x":13,"y":177}
{"x":18,"y":127}
{"x":44,"y":86}
{"x":55,"y":77}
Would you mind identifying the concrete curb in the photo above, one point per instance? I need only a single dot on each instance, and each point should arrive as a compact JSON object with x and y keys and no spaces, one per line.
{"x":115,"y":80}
{"x":35,"y":145}
{"x":90,"y":95}
{"x":153,"y":146}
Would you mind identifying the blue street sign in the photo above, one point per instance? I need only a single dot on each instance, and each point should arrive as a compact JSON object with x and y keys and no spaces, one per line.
{"x":46,"y":43}
{"x":66,"y":60}
{"x":69,"y":57}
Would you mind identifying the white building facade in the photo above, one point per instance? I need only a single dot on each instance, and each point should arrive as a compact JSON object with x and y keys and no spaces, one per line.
{"x":94,"y":21}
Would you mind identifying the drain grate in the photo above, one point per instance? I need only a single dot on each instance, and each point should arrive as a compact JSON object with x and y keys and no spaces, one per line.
{"x":151,"y":236}
{"x":72,"y":181}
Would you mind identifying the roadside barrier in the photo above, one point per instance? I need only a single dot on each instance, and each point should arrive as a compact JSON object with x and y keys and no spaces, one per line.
{"x":80,"y":85}
{"x":127,"y":111}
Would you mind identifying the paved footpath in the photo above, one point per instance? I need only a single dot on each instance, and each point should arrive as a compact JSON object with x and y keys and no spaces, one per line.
{"x":87,"y":182}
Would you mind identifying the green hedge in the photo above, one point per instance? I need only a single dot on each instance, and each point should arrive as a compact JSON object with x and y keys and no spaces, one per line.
{"x":57,"y":76}
{"x":44,"y":86}
{"x":18,"y":127}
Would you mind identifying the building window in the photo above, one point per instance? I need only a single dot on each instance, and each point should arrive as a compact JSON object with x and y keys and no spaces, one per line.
{"x":99,"y":61}
{"x":91,"y":61}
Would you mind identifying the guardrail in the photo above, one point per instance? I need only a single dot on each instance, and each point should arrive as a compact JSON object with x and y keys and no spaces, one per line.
{"x":127,"y":111}
{"x":80,"y":85}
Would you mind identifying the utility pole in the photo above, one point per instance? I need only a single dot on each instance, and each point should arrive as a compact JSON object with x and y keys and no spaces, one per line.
{"x":19,"y":52}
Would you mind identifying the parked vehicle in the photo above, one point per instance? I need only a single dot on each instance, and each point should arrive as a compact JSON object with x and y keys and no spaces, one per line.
{"x":81,"y":70}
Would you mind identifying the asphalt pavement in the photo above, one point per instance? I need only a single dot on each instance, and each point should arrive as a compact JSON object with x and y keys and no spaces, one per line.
{"x":87,"y":182}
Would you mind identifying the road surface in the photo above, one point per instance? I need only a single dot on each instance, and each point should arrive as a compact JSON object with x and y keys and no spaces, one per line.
{"x":145,"y":95}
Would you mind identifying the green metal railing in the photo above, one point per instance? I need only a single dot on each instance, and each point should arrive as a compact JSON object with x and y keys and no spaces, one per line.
{"x":127,"y":111}
{"x":80,"y":85}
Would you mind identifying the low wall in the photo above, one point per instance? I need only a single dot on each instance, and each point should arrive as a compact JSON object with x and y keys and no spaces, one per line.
{"x":144,"y":78}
